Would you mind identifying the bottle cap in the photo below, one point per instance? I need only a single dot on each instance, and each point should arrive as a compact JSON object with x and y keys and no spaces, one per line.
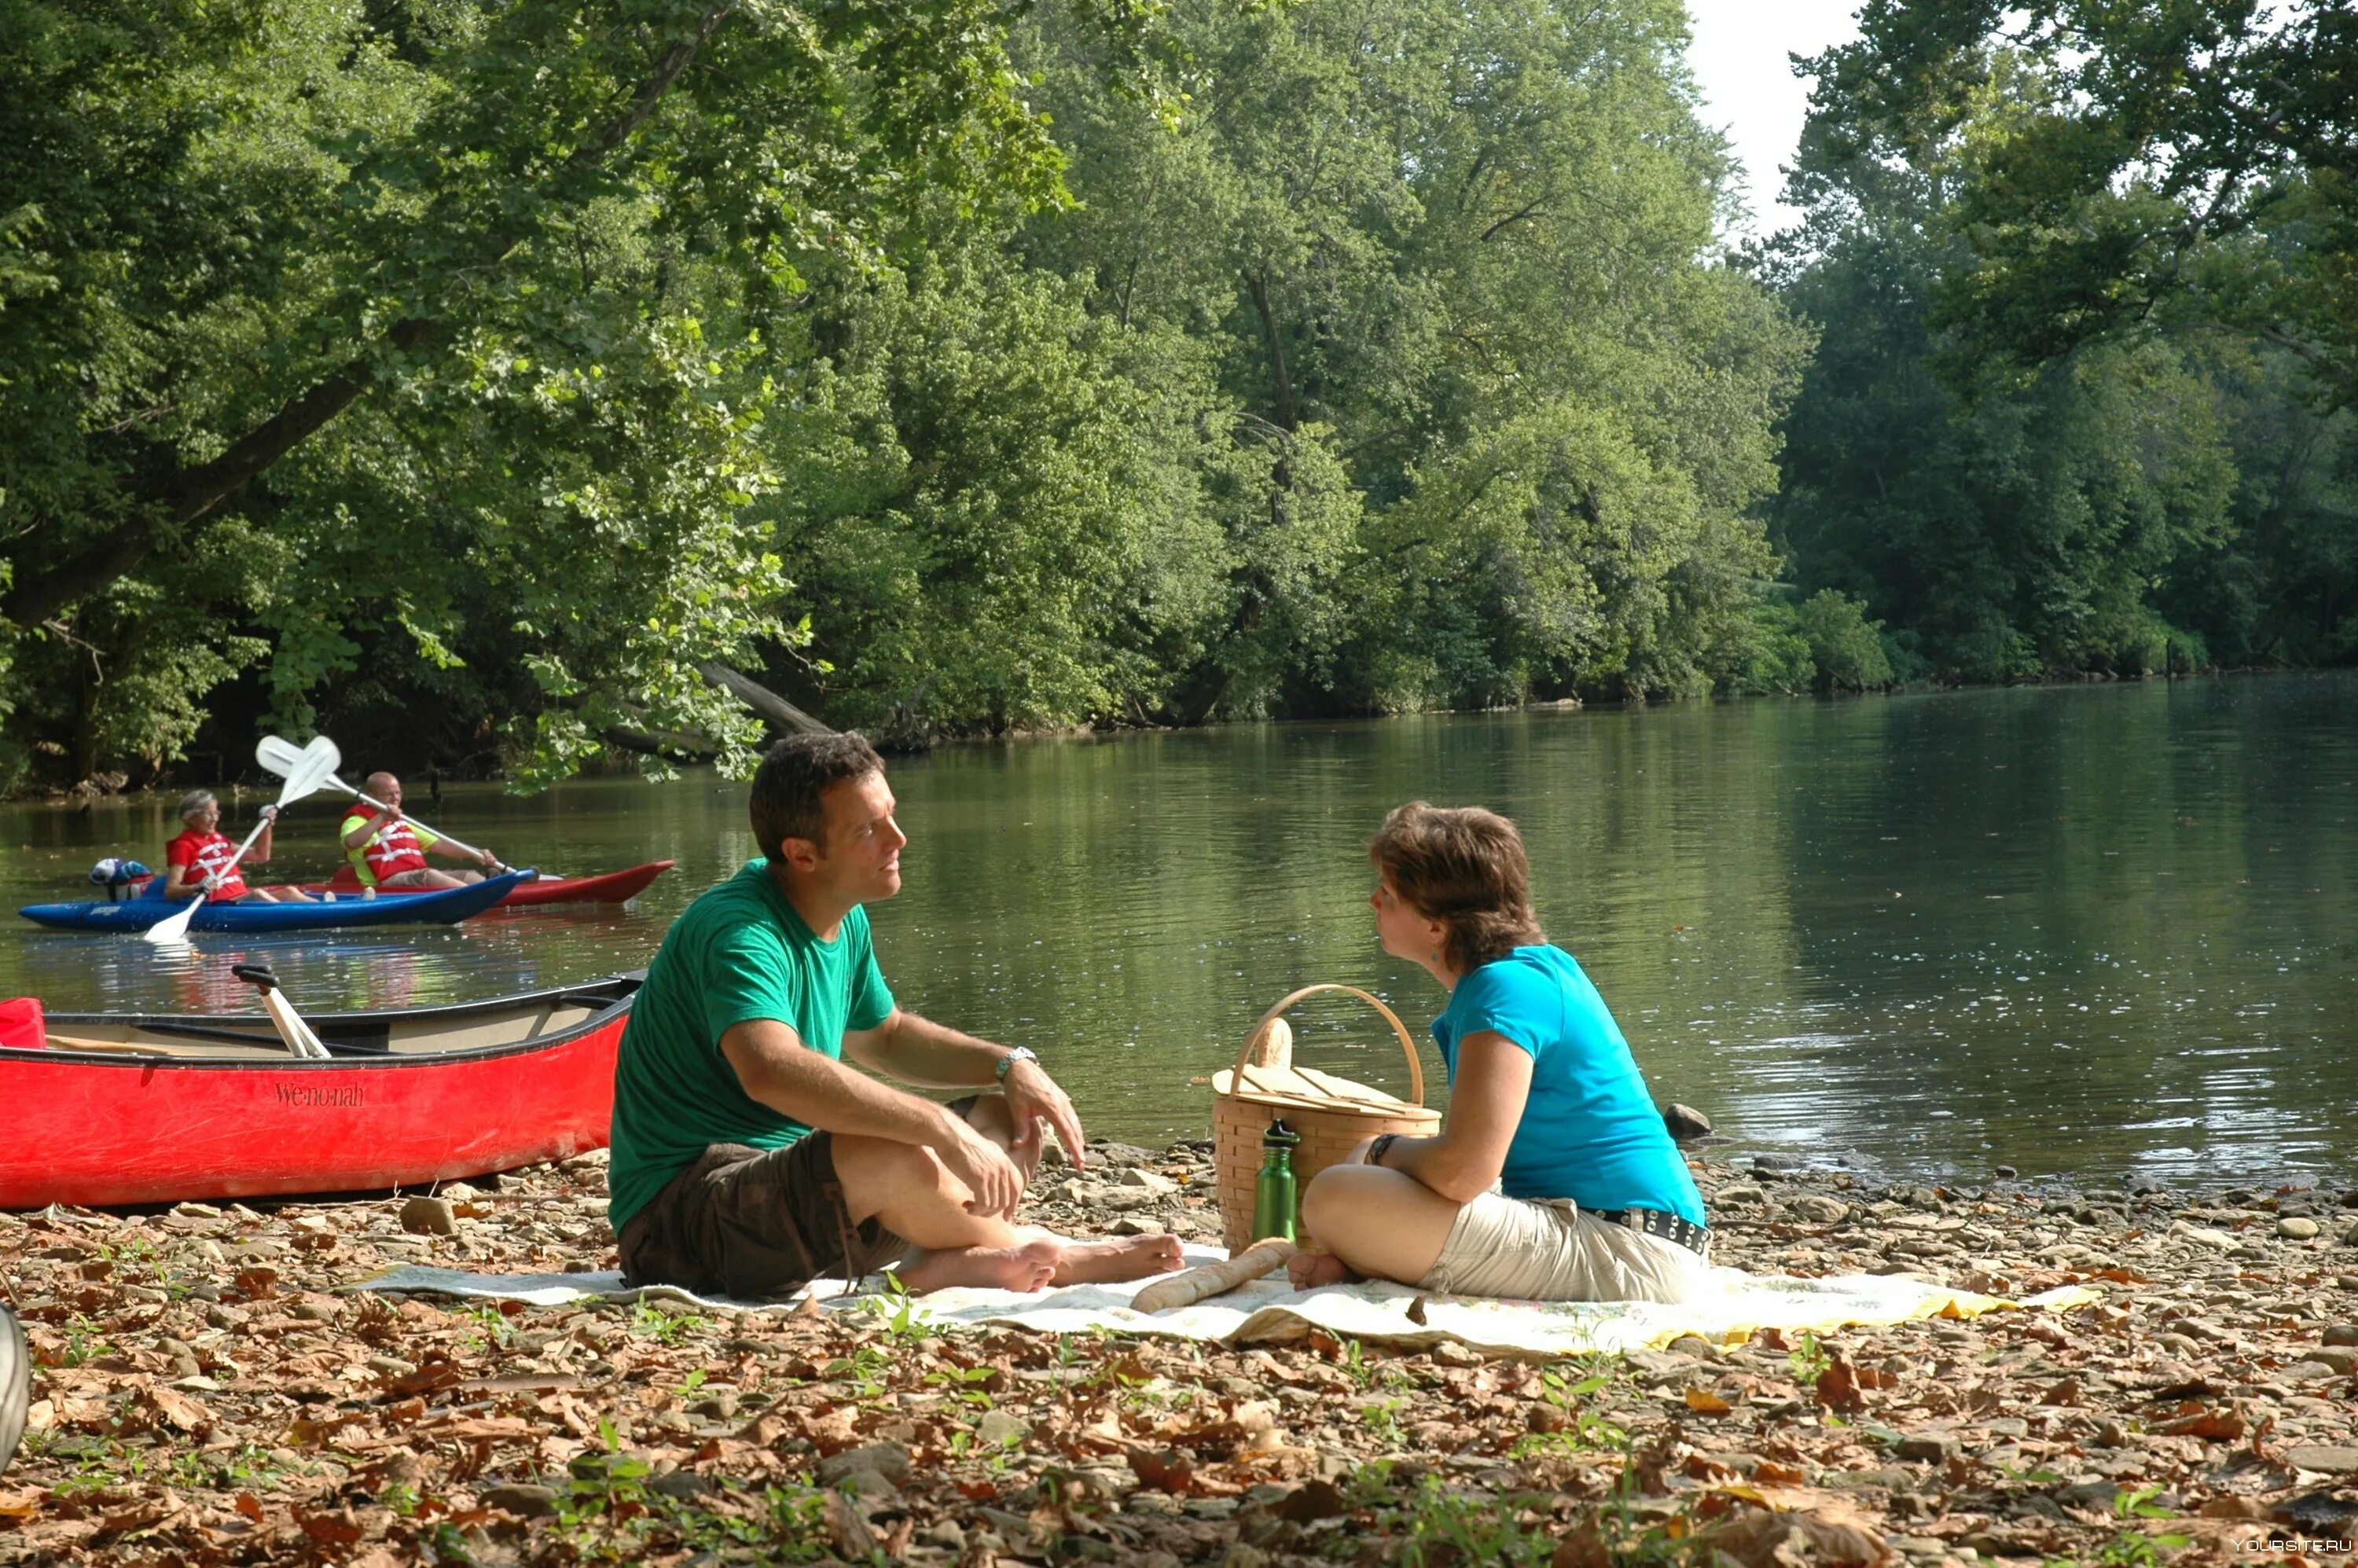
{"x":1279,"y":1135}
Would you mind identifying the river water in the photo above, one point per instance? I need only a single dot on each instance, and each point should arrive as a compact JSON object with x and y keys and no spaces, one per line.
{"x":2105,"y":932}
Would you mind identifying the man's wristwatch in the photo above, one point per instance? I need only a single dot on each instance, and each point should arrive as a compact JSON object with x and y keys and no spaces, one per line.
{"x":1007,"y":1063}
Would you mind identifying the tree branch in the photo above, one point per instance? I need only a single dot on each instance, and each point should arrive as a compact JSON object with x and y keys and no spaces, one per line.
{"x":761,"y":699}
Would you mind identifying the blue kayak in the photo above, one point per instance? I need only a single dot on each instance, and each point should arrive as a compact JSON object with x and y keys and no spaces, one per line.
{"x":137,"y":914}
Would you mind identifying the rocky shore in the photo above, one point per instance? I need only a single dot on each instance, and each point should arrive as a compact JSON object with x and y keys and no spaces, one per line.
{"x":206,"y":1395}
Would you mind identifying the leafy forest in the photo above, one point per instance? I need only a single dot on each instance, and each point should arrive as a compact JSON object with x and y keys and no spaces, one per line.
{"x":512,"y":385}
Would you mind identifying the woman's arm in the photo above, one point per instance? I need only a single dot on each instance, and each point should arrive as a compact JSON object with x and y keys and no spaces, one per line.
{"x":1486,"y":1105}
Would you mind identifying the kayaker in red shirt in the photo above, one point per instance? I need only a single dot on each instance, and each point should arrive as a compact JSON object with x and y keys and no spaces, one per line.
{"x":199,"y":858}
{"x":388,"y":850}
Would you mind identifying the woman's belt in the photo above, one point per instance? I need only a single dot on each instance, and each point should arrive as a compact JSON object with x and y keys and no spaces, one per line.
{"x":1656,"y":1222}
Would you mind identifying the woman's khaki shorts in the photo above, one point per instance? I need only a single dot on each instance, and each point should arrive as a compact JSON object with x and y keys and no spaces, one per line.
{"x":1550,"y":1251}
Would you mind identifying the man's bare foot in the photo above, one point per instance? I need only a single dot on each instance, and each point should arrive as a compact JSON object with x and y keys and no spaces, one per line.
{"x":1309,"y":1271}
{"x":1116,"y":1258}
{"x":1029,"y":1266}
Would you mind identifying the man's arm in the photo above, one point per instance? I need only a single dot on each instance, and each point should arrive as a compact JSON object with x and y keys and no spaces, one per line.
{"x":777,"y":1070}
{"x":359,"y":836}
{"x":918,"y":1051}
{"x":1486,"y":1105}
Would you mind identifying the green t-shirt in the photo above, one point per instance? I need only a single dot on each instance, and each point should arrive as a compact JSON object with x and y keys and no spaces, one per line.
{"x":741,"y":952}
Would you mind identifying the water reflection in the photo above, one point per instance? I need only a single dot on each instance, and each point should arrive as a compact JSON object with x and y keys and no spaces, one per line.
{"x":2078,"y":929}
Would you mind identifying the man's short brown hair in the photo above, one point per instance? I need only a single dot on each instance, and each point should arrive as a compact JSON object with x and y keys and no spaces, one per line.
{"x":793,"y":775}
{"x":1465,"y":867}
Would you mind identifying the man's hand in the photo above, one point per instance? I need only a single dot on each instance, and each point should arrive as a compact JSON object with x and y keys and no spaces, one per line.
{"x":270,"y":813}
{"x":983,"y":1166}
{"x":1033,"y":1098}
{"x":212,"y":881}
{"x":485,"y":858}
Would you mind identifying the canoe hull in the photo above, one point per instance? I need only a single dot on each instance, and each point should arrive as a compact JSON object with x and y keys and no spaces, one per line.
{"x":608,"y":887}
{"x":92,"y":1129}
{"x":445,"y":907}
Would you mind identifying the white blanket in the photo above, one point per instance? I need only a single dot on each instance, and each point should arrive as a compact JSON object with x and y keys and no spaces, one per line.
{"x":1730,"y":1308}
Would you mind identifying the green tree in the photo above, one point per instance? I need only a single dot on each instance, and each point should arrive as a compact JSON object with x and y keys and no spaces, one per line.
{"x":426,"y":331}
{"x":2186,"y":161}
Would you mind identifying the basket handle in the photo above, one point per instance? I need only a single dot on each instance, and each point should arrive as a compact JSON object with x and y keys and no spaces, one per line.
{"x":1408,"y":1043}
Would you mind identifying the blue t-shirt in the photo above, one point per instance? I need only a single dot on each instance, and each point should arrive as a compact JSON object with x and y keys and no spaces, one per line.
{"x":1590,"y":1131}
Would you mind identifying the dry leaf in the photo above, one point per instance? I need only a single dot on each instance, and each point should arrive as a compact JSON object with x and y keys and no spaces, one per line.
{"x":1702,"y":1402}
{"x":1762,"y":1538}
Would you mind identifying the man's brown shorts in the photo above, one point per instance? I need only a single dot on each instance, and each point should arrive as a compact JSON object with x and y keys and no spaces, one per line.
{"x":749,"y":1223}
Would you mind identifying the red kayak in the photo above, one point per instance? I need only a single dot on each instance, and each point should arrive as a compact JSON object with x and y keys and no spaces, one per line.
{"x":613,"y":887}
{"x":118,"y":1109}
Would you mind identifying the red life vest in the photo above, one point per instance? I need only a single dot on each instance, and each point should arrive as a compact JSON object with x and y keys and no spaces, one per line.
{"x":389,"y":853}
{"x":203,"y":854}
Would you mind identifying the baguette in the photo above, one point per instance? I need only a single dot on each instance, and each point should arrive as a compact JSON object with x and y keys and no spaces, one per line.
{"x":1192,"y":1285}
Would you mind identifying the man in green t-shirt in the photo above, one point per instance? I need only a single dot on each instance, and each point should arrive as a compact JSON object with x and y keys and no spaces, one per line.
{"x":750,"y":1156}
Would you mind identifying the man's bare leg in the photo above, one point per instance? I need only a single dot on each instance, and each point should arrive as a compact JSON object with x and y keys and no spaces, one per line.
{"x":1096,"y":1260}
{"x":912,"y":1192}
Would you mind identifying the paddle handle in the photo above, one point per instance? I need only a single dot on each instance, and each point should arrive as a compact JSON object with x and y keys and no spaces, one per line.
{"x":456,"y":843}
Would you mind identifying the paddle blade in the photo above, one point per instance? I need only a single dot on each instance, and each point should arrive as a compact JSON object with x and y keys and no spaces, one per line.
{"x":283,"y":757}
{"x":316,"y":766}
{"x":174,"y":927}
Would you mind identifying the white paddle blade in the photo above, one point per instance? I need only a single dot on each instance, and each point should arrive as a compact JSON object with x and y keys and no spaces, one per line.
{"x":283,"y":757}
{"x":314,"y":767}
{"x":173,"y":929}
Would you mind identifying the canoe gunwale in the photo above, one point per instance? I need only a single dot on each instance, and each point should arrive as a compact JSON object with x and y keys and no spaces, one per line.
{"x":624,"y":990}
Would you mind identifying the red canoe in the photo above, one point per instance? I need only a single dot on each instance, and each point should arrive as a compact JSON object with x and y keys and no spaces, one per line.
{"x":611,"y":887}
{"x":125,"y":1110}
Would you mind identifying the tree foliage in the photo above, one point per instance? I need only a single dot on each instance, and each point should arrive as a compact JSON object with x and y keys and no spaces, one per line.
{"x":2077,"y":405}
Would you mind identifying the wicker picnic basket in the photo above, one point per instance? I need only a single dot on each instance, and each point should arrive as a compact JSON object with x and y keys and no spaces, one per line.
{"x":1331,"y":1114}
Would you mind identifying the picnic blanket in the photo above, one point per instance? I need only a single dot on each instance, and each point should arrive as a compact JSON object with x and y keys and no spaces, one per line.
{"x":1375,"y":1312}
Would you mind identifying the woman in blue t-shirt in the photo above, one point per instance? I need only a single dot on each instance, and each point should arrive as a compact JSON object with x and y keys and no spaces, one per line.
{"x":1553,"y":1178}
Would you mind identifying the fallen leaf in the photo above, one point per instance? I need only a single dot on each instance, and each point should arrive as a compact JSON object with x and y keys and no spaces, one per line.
{"x":1702,"y":1402}
{"x":1168,"y":1471}
{"x":848,"y":1531}
{"x":1764,"y":1538}
{"x":2216,"y":1425}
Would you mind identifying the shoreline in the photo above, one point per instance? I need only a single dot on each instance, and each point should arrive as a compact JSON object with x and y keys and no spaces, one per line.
{"x":74,"y":797}
{"x":205,"y":1397}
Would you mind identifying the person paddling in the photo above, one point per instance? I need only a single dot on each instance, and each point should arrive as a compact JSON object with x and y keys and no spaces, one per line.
{"x":387,"y":850}
{"x":199,"y":857}
{"x":1553,"y":1178}
{"x":751,"y":1154}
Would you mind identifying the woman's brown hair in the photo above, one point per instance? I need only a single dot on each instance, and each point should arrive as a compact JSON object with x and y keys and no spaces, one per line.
{"x":1466,"y":868}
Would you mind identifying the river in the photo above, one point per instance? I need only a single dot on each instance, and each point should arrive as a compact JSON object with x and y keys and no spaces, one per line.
{"x":2101,"y":931}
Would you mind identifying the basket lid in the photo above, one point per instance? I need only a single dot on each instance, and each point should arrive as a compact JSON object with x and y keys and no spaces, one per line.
{"x":1311,"y":1090}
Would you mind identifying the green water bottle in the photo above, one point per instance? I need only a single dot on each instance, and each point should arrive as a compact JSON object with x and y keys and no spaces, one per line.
{"x":1274,"y":1198}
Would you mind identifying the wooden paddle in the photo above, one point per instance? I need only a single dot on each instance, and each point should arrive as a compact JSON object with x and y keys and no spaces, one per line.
{"x":277,"y":754}
{"x":308,"y":769}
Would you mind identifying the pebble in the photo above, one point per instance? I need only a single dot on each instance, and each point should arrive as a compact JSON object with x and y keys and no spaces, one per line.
{"x":1928,"y":1447}
{"x":890,"y":1459}
{"x":997,"y":1429}
{"x":2341,"y":1333}
{"x":1818,"y":1209}
{"x":1145,"y":1180}
{"x":523,"y":1498}
{"x":2297,"y":1229}
{"x":2331,"y":1458}
{"x":424,"y":1216}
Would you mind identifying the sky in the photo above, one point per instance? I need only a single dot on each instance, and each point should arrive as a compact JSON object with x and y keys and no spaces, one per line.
{"x":1749,"y":89}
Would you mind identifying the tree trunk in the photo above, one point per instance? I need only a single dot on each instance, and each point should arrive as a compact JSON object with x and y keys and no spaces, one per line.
{"x":761,"y":699}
